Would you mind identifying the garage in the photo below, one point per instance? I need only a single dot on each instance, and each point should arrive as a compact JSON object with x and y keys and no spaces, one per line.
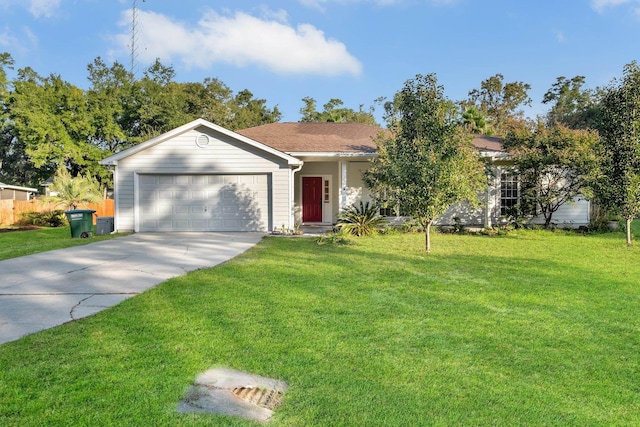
{"x":202,"y":177}
{"x":204,"y":202}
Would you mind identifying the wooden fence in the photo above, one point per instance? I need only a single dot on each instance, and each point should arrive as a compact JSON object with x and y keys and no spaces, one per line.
{"x":10,"y":210}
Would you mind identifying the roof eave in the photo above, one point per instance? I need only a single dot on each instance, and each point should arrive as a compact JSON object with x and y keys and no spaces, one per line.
{"x":113,"y":159}
{"x":17,"y":187}
{"x":330,"y":154}
{"x":494,"y":154}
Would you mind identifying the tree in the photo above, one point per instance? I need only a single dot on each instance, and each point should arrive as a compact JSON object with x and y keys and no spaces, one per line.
{"x":499,"y":102}
{"x":554,"y":165}
{"x":427,"y":164}
{"x":15,"y":165}
{"x":618,"y":185}
{"x":108,"y":98}
{"x":571,"y":105}
{"x":72,"y":192}
{"x":474,"y":121}
{"x":50,"y":117}
{"x":334,"y":112}
{"x":249,"y":112}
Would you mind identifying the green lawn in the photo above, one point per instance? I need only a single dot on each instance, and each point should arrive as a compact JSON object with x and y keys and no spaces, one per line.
{"x":18,"y":243}
{"x":533,"y":328}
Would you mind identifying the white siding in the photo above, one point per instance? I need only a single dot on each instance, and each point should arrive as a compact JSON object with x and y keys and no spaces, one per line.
{"x":356,"y":190}
{"x":469,"y":216}
{"x":181,"y":156}
{"x":570,"y":215}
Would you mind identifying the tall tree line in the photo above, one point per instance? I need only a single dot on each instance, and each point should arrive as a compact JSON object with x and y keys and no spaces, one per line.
{"x":47,"y":122}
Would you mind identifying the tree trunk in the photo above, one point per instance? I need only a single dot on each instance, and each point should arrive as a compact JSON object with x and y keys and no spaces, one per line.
{"x":547,"y":221}
{"x":629,"y":231}
{"x":427,"y":235}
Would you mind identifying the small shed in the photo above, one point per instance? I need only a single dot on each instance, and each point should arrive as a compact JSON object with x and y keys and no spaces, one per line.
{"x":15,"y":192}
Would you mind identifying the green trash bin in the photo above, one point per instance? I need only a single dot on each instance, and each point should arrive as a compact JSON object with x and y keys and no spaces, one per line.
{"x":81,"y":222}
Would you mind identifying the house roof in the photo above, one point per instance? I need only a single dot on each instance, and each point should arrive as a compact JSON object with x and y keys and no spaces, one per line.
{"x":17,"y":188}
{"x":334,"y":138}
{"x":113,"y":160}
{"x":325,"y":137}
{"x":488,"y":143}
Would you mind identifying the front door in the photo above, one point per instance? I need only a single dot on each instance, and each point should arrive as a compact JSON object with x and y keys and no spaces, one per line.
{"x":311,"y":199}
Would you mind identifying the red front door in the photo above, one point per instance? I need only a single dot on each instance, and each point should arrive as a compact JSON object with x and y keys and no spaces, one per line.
{"x":311,"y":199}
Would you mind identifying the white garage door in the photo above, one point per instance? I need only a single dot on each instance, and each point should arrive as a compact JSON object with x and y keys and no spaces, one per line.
{"x":203,"y":202}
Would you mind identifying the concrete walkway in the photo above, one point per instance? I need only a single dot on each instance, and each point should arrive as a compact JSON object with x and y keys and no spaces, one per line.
{"x":51,"y":288}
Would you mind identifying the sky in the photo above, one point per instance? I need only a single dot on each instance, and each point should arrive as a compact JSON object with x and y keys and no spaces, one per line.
{"x":354,"y":50}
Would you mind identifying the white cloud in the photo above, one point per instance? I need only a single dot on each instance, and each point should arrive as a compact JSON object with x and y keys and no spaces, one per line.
{"x":560,"y":37}
{"x":20,"y":43}
{"x":320,"y":4}
{"x":43,"y":8}
{"x":37,"y":8}
{"x":7,"y":39}
{"x":242,"y":40}
{"x":600,"y":5}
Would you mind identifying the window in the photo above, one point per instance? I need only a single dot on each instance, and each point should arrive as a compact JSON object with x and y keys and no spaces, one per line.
{"x":387,"y":212}
{"x":392,"y":212}
{"x":326,"y":191}
{"x":509,"y":194}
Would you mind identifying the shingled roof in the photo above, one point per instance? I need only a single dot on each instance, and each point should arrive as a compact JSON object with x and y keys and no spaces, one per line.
{"x":488,"y":143}
{"x":327,"y":137}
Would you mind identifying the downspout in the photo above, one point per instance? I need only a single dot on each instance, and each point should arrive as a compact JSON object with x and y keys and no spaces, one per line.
{"x":292,"y":193}
{"x":113,"y":170}
{"x":343,"y":186}
{"x":487,"y":204}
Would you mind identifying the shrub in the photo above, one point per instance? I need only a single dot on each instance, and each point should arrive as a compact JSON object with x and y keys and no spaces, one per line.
{"x":53,"y":218}
{"x":333,"y":238}
{"x":411,"y":225}
{"x":361,"y":220}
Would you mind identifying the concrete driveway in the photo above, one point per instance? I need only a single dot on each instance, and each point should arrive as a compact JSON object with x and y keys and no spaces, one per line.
{"x":51,"y":288}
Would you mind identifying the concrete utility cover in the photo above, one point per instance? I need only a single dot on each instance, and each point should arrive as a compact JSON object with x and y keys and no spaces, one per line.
{"x":230,"y":392}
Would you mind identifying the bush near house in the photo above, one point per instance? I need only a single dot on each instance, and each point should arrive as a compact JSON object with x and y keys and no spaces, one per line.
{"x":363,"y":219}
{"x":52,"y":218}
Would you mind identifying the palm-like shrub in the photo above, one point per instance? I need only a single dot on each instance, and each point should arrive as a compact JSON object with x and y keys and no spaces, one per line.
{"x":72,"y":192}
{"x":361,"y":220}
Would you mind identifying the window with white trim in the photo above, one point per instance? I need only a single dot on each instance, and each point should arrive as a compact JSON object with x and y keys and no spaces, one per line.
{"x":509,"y":192}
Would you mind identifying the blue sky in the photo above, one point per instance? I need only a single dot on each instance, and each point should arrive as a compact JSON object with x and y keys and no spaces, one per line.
{"x":355,"y":50}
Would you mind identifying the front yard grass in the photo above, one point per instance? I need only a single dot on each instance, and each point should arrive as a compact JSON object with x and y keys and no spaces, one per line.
{"x":533,"y":328}
{"x":18,"y":243}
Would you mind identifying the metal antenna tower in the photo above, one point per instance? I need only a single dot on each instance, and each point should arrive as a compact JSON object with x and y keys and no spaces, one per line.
{"x":134,"y":36}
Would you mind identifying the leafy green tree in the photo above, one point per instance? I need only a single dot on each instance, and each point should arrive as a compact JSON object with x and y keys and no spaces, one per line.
{"x":210,"y":100}
{"x":334,"y":112}
{"x":109,"y":98}
{"x":427,"y":164}
{"x":156,"y":106}
{"x":50,"y":117}
{"x":500,"y":102}
{"x":15,"y":165}
{"x":11,"y":152}
{"x":72,"y":192}
{"x":554,"y":164}
{"x":571,"y":104}
{"x":6,"y":62}
{"x":474,"y":121}
{"x":618,"y":185}
{"x":249,"y":112}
